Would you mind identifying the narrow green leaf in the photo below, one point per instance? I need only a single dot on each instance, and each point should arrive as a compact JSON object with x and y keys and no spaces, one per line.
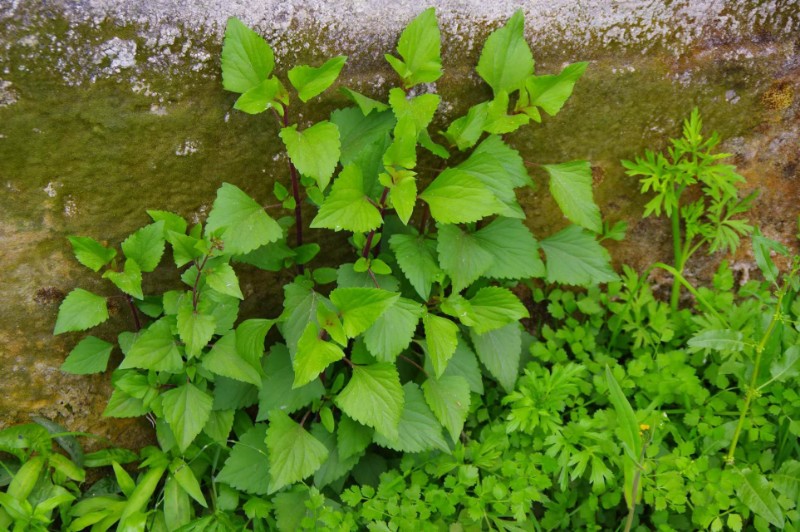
{"x":441,"y":340}
{"x":374,"y":397}
{"x":499,"y":350}
{"x":129,"y":280}
{"x":628,"y":430}
{"x":314,"y":151}
{"x":177,"y":507}
{"x":90,"y":252}
{"x":294,"y":454}
{"x":420,"y":48}
{"x":26,"y":477}
{"x":575,"y":257}
{"x":79,"y":311}
{"x":195,"y":329}
{"x":514,"y":250}
{"x":223,"y":359}
{"x":313,"y":355}
{"x":449,"y":399}
{"x":311,"y":81}
{"x":360,"y":307}
{"x":89,"y":356}
{"x":243,"y":223}
{"x":146,"y":246}
{"x":393,"y":331}
{"x":247,"y":59}
{"x":348,"y":206}
{"x":276,"y":388}
{"x":247,"y":466}
{"x":571,"y":186}
{"x":186,"y":409}
{"x":551,"y":92}
{"x":418,"y":429}
{"x":457,"y":197}
{"x":182,"y":473}
{"x":755,"y":492}
{"x":719,"y":339}
{"x":506,"y":60}
{"x":141,"y":495}
{"x":462,"y":256}
{"x":415,"y":256}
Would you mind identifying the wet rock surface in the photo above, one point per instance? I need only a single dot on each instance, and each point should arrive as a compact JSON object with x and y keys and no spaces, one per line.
{"x":110,"y":107}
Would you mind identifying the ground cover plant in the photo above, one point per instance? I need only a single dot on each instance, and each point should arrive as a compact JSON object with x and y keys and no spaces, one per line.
{"x":454,"y":370}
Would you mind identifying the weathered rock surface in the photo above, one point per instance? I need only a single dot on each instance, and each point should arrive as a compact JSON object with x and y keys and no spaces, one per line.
{"x":108,"y":107}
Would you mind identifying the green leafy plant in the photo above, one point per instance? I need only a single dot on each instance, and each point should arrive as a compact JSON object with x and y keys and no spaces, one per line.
{"x":712,"y":220}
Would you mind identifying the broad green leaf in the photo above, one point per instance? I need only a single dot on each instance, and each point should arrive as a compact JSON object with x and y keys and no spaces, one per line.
{"x":403,"y":195}
{"x":89,"y":356}
{"x":755,"y":492}
{"x":146,"y":246}
{"x":311,"y":81}
{"x":276,"y":388}
{"x":348,"y":206}
{"x":513,"y":248}
{"x":129,"y":280}
{"x":418,"y":429}
{"x":195,"y":329}
{"x":177,"y":506}
{"x":90,"y":252}
{"x":719,"y":339}
{"x":420,"y":48}
{"x":261,"y":97}
{"x":223,"y":308}
{"x":334,"y":467}
{"x":347,"y":277}
{"x":374,"y":397}
{"x":79,"y":311}
{"x":499,"y":350}
{"x":364,"y":103}
{"x":441,"y":341}
{"x":172,"y":222}
{"x":575,"y":257}
{"x":300,"y":307}
{"x":66,"y":467}
{"x":247,"y":466}
{"x":184,"y":248}
{"x":329,"y":321}
{"x":243,"y":223}
{"x":123,"y":405}
{"x":457,"y":197}
{"x":314,"y":151}
{"x":493,"y":307}
{"x":435,"y":148}
{"x":787,"y":479}
{"x":219,"y":424}
{"x":462,"y":256}
{"x":498,"y":120}
{"x":551,"y":92}
{"x":313,"y":355}
{"x":250,"y":336}
{"x":360,"y":307}
{"x":463,"y":363}
{"x":449,"y":400}
{"x":464,"y":132}
{"x":230,"y":394}
{"x":506,"y":60}
{"x":571,"y":186}
{"x":223,"y":359}
{"x":413,"y":114}
{"x":247,"y":59}
{"x":183,"y":474}
{"x":353,"y":438}
{"x":186,"y":409}
{"x":222,"y":278}
{"x":415,"y":256}
{"x":628,"y":430}
{"x":294,"y":454}
{"x":393,"y":331}
{"x":786,"y":367}
{"x":359,"y":132}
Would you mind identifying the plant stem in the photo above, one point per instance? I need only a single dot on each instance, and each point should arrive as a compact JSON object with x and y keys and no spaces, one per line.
{"x":197,"y":280}
{"x":371,"y":235}
{"x":136,"y":323}
{"x":677,"y":255}
{"x":635,"y":488}
{"x":298,"y":212}
{"x":413,"y":363}
{"x":751,"y":389}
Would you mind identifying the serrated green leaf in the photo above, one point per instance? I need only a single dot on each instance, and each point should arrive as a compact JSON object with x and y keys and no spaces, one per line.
{"x":146,"y":246}
{"x":243,"y":223}
{"x":314,"y":151}
{"x":719,"y":339}
{"x":493,"y":307}
{"x":349,"y":278}
{"x":219,"y":424}
{"x":755,"y":492}
{"x":418,"y":429}
{"x":247,"y":59}
{"x":223,"y":359}
{"x":250,"y":336}
{"x":352,"y":438}
{"x":123,"y":405}
{"x":311,"y":81}
{"x":334,"y":467}
{"x":261,"y":97}
{"x":499,"y":350}
{"x":294,"y":454}
{"x":313,"y":355}
{"x":463,"y":363}
{"x":575,"y":257}
{"x":172,"y":222}
{"x":403,"y":195}
{"x":129,"y":280}
{"x":415,"y":256}
{"x":186,"y":409}
{"x":514,"y":250}
{"x":276,"y":388}
{"x":79,"y":311}
{"x":420,"y":48}
{"x":551,"y":92}
{"x":506,"y":60}
{"x":413,"y":114}
{"x":448,"y":397}
{"x":329,"y":320}
{"x":364,"y":103}
{"x":457,"y":197}
{"x":348,"y":206}
{"x":247,"y":467}
{"x":786,"y":367}
{"x":359,"y":132}
{"x":230,"y":394}
{"x":89,"y":356}
{"x":393,"y":331}
{"x":222,"y":278}
{"x":571,"y":186}
{"x":441,"y":340}
{"x":462,"y":256}
{"x":90,"y":252}
{"x":374,"y":397}
{"x":498,"y":121}
{"x":195,"y":329}
{"x":184,"y":248}
{"x":360,"y":307}
{"x":465,"y":131}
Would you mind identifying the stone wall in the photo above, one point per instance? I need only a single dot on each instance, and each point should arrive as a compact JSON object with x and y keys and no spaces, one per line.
{"x":108,"y":107}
